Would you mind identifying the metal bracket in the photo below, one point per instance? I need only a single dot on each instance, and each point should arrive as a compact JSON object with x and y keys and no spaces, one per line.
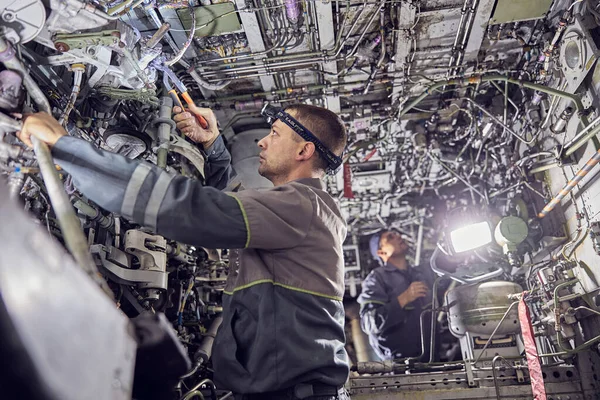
{"x":470,"y":376}
{"x":141,"y":95}
{"x":145,"y":279}
{"x":180,"y":146}
{"x":65,"y":42}
{"x":149,"y":249}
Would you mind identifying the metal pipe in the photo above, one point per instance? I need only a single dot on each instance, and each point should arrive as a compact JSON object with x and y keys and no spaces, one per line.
{"x":589,"y":165}
{"x":544,"y":167}
{"x":205,"y":350}
{"x":496,"y":120}
{"x":123,"y":8}
{"x":208,"y":85}
{"x":154,"y":17}
{"x":559,"y":287}
{"x":495,"y":376}
{"x":495,"y":330}
{"x":202,"y":382}
{"x":478,"y":79}
{"x":583,"y":140}
{"x":134,"y":63}
{"x":460,"y":178}
{"x":93,"y":213}
{"x":422,"y":327}
{"x":419,"y":243}
{"x":358,"y":17}
{"x":7,"y":52}
{"x":434,"y":306}
{"x":188,"y":42}
{"x":383,"y":52}
{"x":505,"y":93}
{"x":580,"y":135}
{"x":16,"y":180}
{"x":67,"y":220}
{"x":158,"y":35}
{"x":78,"y":70}
{"x":234,"y":72}
{"x":364,"y":32}
{"x":467,"y":30}
{"x":463,"y":13}
{"x":530,"y":85}
{"x":551,"y":108}
{"x":324,"y":56}
{"x":164,"y":131}
{"x":361,"y":345}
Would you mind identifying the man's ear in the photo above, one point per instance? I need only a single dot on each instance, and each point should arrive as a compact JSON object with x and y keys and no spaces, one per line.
{"x":306,"y":151}
{"x":381,"y":253}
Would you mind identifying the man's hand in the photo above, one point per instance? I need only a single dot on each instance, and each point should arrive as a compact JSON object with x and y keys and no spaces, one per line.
{"x":43,"y":126}
{"x":415,"y":290}
{"x":187,"y":123}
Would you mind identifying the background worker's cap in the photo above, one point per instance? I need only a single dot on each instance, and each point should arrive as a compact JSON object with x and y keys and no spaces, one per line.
{"x":374,"y":244}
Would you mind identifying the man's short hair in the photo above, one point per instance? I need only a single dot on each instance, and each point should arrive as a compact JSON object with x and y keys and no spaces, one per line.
{"x":325,"y":125}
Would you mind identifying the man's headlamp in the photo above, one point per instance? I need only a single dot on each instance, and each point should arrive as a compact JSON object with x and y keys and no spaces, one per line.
{"x":272,"y":114}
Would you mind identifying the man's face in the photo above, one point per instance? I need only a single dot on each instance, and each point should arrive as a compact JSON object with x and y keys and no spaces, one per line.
{"x":392,"y":244}
{"x":278,"y":151}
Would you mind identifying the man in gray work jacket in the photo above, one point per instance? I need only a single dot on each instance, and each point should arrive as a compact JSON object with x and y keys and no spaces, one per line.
{"x":392,"y":299}
{"x":282,"y":335}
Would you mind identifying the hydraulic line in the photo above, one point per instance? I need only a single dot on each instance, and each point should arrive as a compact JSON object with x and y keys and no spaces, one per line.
{"x":123,"y":8}
{"x":65,"y":214}
{"x":158,"y":35}
{"x":368,"y":24}
{"x":383,"y":52}
{"x":314,"y":57}
{"x":498,"y":78}
{"x":589,"y":165}
{"x":588,"y":133}
{"x":188,"y":42}
{"x":154,"y":17}
{"x":164,"y":131}
{"x":466,"y":32}
{"x":78,"y":70}
{"x":495,"y":330}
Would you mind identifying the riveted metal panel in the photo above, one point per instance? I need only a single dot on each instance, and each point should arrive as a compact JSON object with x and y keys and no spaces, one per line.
{"x":519,"y":10}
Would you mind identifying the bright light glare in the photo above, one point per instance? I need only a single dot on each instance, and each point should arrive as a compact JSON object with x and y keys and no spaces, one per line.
{"x":471,"y":237}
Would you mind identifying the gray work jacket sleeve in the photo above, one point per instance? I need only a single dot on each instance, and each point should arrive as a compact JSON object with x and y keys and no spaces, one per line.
{"x":218,"y":169}
{"x":378,"y":312}
{"x":171,"y":205}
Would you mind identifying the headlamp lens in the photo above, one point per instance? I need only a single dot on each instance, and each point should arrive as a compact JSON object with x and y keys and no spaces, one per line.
{"x":269,"y":113}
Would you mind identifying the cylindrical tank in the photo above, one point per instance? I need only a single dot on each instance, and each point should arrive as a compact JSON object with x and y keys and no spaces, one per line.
{"x":478,"y":309}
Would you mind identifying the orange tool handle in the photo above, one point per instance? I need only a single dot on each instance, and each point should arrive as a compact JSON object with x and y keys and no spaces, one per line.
{"x":176,"y":99}
{"x":201,"y":120}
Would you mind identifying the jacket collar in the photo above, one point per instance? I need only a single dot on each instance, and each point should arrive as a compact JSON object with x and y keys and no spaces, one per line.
{"x":313,"y":182}
{"x":392,"y":267}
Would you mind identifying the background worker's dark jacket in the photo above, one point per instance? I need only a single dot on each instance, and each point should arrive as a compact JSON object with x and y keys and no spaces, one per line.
{"x":283,"y":318}
{"x":393,"y":331}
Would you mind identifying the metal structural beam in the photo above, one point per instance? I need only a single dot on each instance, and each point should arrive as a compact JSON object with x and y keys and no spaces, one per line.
{"x":406,"y":20}
{"x":255,"y":40}
{"x":327,"y":40}
{"x":480,"y":24}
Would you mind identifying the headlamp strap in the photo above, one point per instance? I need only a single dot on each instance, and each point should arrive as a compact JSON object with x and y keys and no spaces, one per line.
{"x":333,"y":161}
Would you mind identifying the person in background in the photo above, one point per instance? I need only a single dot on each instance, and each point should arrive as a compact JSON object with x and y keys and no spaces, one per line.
{"x":392,"y":299}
